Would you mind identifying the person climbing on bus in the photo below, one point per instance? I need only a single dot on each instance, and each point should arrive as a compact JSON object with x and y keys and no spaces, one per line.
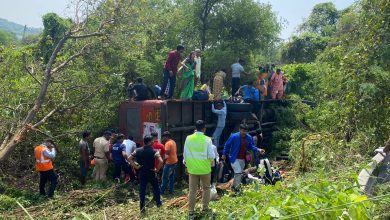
{"x":236,"y":148}
{"x":220,"y":110}
{"x":141,"y":90}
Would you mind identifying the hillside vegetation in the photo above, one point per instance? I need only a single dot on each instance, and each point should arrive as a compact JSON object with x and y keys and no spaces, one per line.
{"x":339,"y":59}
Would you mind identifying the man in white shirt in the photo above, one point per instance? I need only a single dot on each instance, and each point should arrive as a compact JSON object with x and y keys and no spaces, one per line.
{"x":131,"y":146}
{"x":198,"y":61}
{"x":237,"y":69}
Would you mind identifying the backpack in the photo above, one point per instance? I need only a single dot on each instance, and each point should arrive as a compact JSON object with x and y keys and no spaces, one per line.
{"x":200,"y":95}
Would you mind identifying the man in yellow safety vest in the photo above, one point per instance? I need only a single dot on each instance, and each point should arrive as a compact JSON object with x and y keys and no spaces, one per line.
{"x":198,"y":156}
{"x":44,"y":154}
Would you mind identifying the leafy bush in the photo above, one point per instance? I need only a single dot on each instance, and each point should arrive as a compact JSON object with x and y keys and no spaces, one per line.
{"x":309,"y":197}
{"x":6,"y":203}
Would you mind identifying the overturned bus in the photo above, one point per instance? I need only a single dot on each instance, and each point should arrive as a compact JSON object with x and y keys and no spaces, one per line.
{"x":140,"y":118}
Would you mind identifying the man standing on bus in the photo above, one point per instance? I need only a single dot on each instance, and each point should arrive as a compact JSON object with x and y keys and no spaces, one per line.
{"x":170,"y":70}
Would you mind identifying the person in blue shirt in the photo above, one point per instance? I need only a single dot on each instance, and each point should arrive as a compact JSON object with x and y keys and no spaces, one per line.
{"x":221,"y":111}
{"x":250,"y":95}
{"x":248,"y":92}
{"x":118,"y":155}
{"x":236,"y":148}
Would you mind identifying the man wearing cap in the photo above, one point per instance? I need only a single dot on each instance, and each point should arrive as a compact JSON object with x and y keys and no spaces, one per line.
{"x":198,"y":61}
{"x":145,"y":157}
{"x":44,"y":154}
{"x":198,"y":156}
{"x":101,"y":156}
{"x":169,"y":170}
{"x":236,"y":148}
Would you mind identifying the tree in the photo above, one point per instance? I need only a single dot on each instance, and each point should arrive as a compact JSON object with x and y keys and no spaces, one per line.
{"x":71,"y":44}
{"x":202,"y":10}
{"x":303,"y":48}
{"x":322,"y":20}
{"x":239,"y":29}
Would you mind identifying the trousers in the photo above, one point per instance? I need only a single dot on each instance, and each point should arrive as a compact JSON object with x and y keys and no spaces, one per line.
{"x":43,"y":178}
{"x":169,"y":173}
{"x":146,"y":178}
{"x":101,"y":166}
{"x":170,"y":82}
{"x":238,"y":168}
{"x":193,"y":184}
{"x":217,"y":135}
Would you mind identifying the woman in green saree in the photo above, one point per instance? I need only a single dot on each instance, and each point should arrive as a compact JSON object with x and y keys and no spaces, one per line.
{"x":187,"y":77}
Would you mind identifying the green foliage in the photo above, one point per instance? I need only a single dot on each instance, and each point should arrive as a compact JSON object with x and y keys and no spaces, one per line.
{"x":315,"y":34}
{"x":308,"y":197}
{"x":7,"y":38}
{"x":322,"y":19}
{"x":55,"y":28}
{"x":303,"y":80}
{"x":6,"y":202}
{"x":303,"y":48}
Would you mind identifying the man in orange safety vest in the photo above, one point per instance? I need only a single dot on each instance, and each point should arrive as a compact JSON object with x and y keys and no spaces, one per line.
{"x":44,"y":155}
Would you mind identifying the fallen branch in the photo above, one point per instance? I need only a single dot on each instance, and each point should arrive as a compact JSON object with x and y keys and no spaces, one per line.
{"x":28,"y":214}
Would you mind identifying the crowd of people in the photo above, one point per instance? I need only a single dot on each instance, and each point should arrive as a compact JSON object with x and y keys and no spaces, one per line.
{"x":270,"y":83}
{"x":155,"y":163}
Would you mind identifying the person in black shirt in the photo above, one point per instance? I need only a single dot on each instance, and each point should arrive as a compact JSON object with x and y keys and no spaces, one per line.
{"x":140,"y":91}
{"x":145,"y":158}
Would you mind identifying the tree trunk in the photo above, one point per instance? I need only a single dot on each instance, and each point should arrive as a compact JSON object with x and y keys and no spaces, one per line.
{"x":20,"y":133}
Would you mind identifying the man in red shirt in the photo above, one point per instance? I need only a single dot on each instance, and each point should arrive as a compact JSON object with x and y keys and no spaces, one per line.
{"x":170,"y":70}
{"x":158,"y":147}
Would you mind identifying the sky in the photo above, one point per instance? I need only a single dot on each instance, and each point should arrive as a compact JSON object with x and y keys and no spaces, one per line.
{"x":30,"y":12}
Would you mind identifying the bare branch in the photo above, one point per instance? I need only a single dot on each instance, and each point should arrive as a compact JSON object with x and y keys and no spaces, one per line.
{"x":82,"y":100}
{"x":74,"y":56}
{"x":95,"y":34}
{"x":30,"y":72}
{"x":61,"y":108}
{"x":32,"y":128}
{"x":44,"y":119}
